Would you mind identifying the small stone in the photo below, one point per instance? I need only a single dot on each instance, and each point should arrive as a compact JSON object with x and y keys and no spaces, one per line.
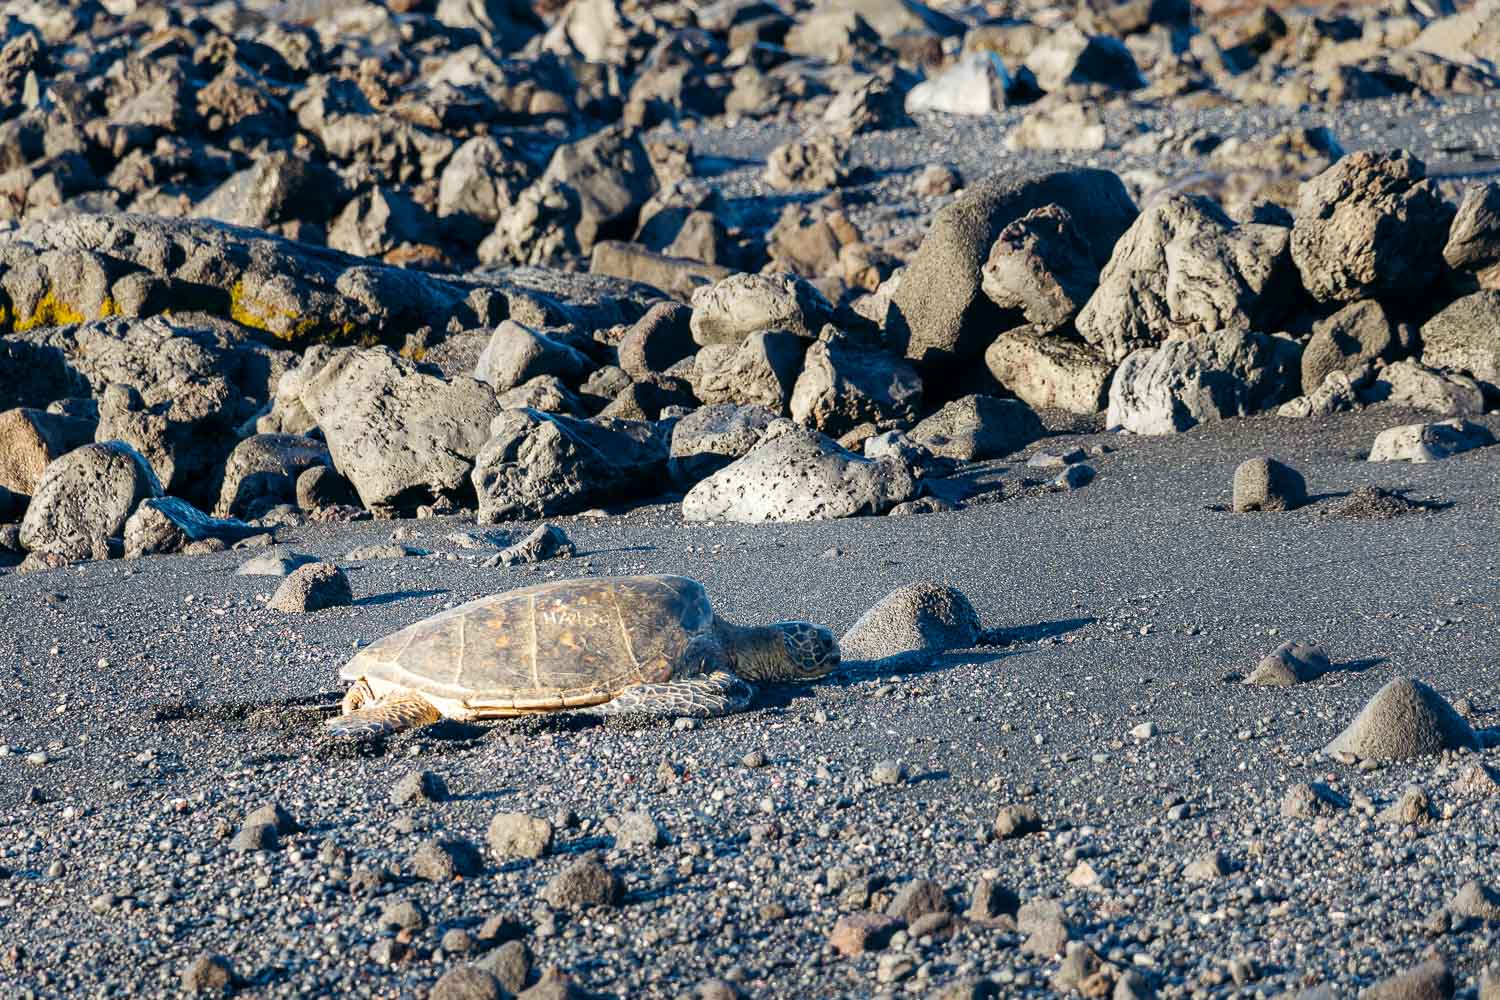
{"x":888,"y":772}
{"x":207,"y":975}
{"x":1411,"y":809}
{"x":402,"y":915}
{"x":861,"y":932}
{"x":639,"y":830}
{"x":313,"y":587}
{"x":445,"y":860}
{"x":753,"y":759}
{"x":516,"y":835}
{"x":1016,"y":821}
{"x":582,"y":884}
{"x":419,"y":787}
{"x":457,"y":941}
{"x":892,"y":968}
{"x":467,"y":982}
{"x":1264,"y":484}
{"x":1144,"y":731}
{"x":510,"y":964}
{"x":1207,"y":868}
{"x":918,"y":898}
{"x":992,"y":901}
{"x":1428,"y":981}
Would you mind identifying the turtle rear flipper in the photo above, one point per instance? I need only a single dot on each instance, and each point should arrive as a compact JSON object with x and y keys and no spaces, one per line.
{"x":718,"y":693}
{"x":384,"y":717}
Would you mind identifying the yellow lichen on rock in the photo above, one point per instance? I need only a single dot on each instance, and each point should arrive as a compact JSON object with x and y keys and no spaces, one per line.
{"x":49,"y":311}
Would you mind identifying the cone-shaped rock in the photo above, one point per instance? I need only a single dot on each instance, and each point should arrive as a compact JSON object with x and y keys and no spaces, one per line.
{"x":1406,"y":718}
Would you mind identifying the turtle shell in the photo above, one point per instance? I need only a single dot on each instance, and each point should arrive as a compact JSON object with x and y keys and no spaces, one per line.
{"x":557,"y":645}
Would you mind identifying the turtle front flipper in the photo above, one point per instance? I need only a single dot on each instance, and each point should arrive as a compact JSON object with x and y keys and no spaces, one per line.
{"x":718,"y":693}
{"x":384,"y":717}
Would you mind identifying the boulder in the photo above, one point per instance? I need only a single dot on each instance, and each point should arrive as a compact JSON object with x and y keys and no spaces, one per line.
{"x":939,"y":308}
{"x":381,"y":220}
{"x":976,"y":428}
{"x":482,"y":180}
{"x":711,"y":437}
{"x":1409,"y":384}
{"x":1077,"y":127}
{"x":592,"y":190}
{"x":263,"y":470}
{"x":84,"y":499}
{"x":817,"y":162}
{"x":31,"y":440}
{"x":1473,"y":247}
{"x":516,"y":354}
{"x":1370,"y":226}
{"x":657,"y":341}
{"x":761,"y":371}
{"x":1046,"y":371}
{"x":797,"y":474}
{"x":33,"y":375}
{"x":1067,"y":56}
{"x":503,"y":25}
{"x":871,"y":104}
{"x":976,"y":84}
{"x":546,"y":393}
{"x":1465,"y":337}
{"x":1429,"y":442}
{"x":1210,"y":376}
{"x":167,"y":524}
{"x":540,"y":464}
{"x":730,"y":310}
{"x":310,"y":588}
{"x":1184,"y":266}
{"x":279,"y":188}
{"x":1404,"y":719}
{"x":844,"y":384}
{"x":1295,"y":661}
{"x":320,"y":486}
{"x":678,"y":276}
{"x":1266,"y":484}
{"x":912,"y":623}
{"x":402,"y":437}
{"x":1041,"y":266}
{"x":1356,"y":335}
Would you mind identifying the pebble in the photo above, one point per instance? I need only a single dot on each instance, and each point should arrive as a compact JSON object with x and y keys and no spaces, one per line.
{"x":888,"y":772}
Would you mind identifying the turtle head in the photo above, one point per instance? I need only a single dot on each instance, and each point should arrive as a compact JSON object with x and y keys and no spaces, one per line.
{"x":789,"y":652}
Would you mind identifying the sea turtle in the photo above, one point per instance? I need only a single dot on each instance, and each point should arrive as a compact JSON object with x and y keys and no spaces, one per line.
{"x":649,"y":644}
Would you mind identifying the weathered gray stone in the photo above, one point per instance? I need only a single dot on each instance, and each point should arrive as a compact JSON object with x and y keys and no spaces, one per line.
{"x":402,"y":437}
{"x":1409,"y":384}
{"x":1473,"y":248}
{"x":262,"y":472}
{"x":31,"y":440}
{"x":939,"y":308}
{"x":84,"y":499}
{"x":1404,"y":719}
{"x":167,"y":524}
{"x":1357,"y":334}
{"x":975,"y":428}
{"x":760,"y":371}
{"x":1465,"y":337}
{"x":516,"y":354}
{"x":1041,"y":267}
{"x":658,"y":340}
{"x":976,"y":84}
{"x":1429,"y":442}
{"x":711,"y":437}
{"x":1185,"y":267}
{"x":1266,"y":484}
{"x":1046,"y":371}
{"x":1196,"y":379}
{"x":922,"y":618}
{"x":843,"y":385}
{"x":730,"y":310}
{"x":1369,"y":226}
{"x":1067,"y":56}
{"x":313,"y":587}
{"x":540,"y":464}
{"x":797,"y":474}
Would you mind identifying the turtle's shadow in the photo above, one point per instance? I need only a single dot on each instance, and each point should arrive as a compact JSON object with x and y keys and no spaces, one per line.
{"x":396,"y":595}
